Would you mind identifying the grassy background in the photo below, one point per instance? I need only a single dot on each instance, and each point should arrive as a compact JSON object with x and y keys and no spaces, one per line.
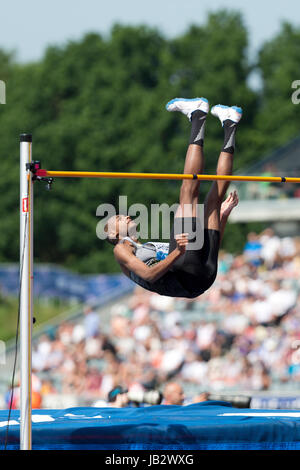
{"x":43,"y":311}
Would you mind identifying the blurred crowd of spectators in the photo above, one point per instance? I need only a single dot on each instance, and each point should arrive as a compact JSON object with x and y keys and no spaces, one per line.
{"x":243,"y":334}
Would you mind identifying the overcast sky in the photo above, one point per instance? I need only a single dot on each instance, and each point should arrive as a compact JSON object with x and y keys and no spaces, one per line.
{"x":28,"y":27}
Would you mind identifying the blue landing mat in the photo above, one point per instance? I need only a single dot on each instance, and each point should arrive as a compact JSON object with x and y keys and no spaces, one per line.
{"x":207,"y":426}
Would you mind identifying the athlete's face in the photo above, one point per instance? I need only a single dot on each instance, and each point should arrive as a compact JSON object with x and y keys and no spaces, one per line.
{"x":121,"y":226}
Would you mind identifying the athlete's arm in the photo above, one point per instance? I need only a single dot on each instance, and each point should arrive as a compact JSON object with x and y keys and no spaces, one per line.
{"x":130,"y":263}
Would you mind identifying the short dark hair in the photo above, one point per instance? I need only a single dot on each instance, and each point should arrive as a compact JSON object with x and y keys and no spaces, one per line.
{"x":112,"y":396}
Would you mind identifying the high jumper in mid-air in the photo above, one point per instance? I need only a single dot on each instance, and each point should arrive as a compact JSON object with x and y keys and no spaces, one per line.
{"x":185,"y":270}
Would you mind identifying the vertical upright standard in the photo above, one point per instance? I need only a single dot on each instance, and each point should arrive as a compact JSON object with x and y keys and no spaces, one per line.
{"x":26,"y":290}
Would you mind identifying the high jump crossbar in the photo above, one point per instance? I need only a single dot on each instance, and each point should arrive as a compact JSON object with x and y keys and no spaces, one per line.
{"x":31,"y":171}
{"x":41,"y":173}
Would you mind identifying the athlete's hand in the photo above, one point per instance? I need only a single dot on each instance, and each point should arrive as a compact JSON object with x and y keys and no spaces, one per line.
{"x":182,"y":241}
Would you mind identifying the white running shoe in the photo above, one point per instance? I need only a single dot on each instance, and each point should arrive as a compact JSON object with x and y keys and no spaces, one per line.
{"x":234,"y":113}
{"x":188,"y":106}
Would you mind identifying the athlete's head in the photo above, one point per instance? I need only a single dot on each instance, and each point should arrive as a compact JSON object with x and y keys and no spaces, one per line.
{"x":118,"y":227}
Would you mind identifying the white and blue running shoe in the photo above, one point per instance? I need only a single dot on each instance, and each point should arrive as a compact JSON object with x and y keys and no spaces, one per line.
{"x":188,"y":106}
{"x":234,"y":113}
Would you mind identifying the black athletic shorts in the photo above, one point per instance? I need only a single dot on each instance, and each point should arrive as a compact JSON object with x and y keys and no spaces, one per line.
{"x":192,"y":273}
{"x":196,"y":270}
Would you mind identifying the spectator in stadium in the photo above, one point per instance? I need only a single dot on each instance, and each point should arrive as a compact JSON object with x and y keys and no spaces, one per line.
{"x":118,"y":397}
{"x":252,"y":249}
{"x":173,"y":394}
{"x":91,"y":322}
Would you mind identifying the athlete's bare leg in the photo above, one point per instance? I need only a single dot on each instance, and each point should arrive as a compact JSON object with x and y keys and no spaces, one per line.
{"x":212,"y":206}
{"x":217,"y":192}
{"x":196,"y":110}
{"x":189,"y":191}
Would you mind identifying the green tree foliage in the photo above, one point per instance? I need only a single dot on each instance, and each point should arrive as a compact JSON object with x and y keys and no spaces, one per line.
{"x":98,"y":104}
{"x":278,"y":120}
